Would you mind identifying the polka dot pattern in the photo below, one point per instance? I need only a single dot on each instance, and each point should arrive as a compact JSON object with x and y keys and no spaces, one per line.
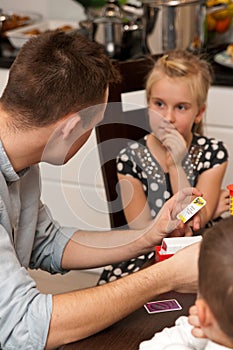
{"x":137,"y":161}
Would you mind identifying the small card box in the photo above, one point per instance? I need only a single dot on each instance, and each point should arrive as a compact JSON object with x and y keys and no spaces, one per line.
{"x":159,"y":256}
{"x":171,"y":245}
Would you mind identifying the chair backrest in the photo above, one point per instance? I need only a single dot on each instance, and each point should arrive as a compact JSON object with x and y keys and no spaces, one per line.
{"x":117,"y":129}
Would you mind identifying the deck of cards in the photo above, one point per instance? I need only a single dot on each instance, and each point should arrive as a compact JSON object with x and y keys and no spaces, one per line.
{"x":171,"y":245}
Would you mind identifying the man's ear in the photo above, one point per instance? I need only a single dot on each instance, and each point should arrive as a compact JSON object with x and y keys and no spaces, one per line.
{"x":69,"y":125}
{"x":204,"y":313}
{"x":199,"y":115}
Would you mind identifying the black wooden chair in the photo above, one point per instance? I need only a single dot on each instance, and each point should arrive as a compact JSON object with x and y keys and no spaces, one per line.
{"x":117,"y":128}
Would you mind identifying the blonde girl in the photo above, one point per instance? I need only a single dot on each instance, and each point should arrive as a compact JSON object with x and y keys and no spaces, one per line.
{"x":175,"y":154}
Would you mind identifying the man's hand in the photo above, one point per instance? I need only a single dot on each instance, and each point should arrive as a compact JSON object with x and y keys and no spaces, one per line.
{"x":166,"y":221}
{"x":185,"y":267}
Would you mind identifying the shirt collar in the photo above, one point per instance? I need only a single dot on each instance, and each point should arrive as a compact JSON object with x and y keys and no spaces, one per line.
{"x":6,"y":167}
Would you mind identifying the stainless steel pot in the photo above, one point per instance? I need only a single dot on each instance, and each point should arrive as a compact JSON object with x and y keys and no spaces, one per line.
{"x":108,"y":29}
{"x":120,"y":34}
{"x":173,"y":24}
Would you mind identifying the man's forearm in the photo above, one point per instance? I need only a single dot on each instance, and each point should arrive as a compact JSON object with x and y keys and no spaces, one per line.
{"x":94,"y":249}
{"x":77,"y":315}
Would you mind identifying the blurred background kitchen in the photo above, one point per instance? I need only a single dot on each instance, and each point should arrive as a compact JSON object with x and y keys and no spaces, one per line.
{"x":129,"y":30}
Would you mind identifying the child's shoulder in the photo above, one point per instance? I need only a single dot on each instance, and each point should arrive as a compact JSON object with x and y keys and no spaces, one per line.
{"x":211,"y":149}
{"x":133,"y":145}
{"x":203,"y":140}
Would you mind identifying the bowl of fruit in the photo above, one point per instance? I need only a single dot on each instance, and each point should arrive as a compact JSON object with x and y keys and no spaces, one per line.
{"x":219,"y":21}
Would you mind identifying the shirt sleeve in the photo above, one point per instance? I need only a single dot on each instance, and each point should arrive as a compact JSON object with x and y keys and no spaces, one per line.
{"x":179,"y":335}
{"x":38,"y":242}
{"x":220,"y":152}
{"x":215,"y":154}
{"x":24,"y":312}
{"x":126,"y":164}
{"x":50,"y":242}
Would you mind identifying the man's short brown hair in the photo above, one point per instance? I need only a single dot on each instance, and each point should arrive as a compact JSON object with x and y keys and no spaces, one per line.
{"x":56,"y":74}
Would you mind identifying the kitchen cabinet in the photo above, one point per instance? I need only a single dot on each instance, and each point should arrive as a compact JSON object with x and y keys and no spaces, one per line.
{"x":219,"y":122}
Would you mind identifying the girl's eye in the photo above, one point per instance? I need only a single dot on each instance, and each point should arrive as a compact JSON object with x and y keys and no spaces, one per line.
{"x":181,"y":107}
{"x":159,"y":103}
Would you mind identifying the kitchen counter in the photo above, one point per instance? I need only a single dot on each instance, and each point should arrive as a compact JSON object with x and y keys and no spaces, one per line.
{"x":223,"y":76}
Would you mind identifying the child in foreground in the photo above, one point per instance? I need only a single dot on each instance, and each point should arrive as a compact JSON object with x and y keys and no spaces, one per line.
{"x":214,"y":303}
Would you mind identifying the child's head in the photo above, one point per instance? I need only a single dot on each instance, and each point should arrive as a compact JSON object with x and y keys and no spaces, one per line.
{"x":216,"y":276}
{"x":187,"y":67}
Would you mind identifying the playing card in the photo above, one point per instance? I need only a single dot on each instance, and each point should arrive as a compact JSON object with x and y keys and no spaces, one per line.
{"x":162,"y":306}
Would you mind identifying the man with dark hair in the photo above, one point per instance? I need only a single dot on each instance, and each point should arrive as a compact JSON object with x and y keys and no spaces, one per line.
{"x":56,"y":94}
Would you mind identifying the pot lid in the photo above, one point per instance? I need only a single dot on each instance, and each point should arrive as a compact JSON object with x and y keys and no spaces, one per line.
{"x":170,"y":2}
{"x":112,"y":13}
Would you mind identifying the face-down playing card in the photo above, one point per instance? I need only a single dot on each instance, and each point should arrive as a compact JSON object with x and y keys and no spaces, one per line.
{"x":162,"y":306}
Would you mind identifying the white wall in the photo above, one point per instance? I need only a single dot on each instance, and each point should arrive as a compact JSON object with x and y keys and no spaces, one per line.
{"x":3,"y":79}
{"x":75,"y":192}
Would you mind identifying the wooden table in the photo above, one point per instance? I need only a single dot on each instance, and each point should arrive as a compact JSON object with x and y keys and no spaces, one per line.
{"x":128,"y":333}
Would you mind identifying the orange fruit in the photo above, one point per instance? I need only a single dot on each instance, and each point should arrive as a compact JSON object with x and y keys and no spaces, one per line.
{"x":211,"y":23}
{"x":230,"y":8}
{"x":223,"y":25}
{"x":221,"y":14}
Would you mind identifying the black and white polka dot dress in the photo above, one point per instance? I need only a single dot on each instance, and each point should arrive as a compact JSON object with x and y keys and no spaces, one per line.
{"x":137,"y":161}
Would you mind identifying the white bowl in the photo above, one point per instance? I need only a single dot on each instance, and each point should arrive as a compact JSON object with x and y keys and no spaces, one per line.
{"x":18,"y":37}
{"x":17,"y":19}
